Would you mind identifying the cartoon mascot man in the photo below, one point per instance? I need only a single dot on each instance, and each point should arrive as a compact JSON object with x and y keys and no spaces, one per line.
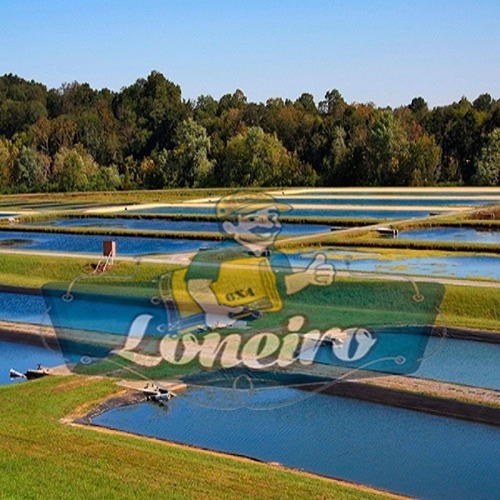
{"x":244,"y":277}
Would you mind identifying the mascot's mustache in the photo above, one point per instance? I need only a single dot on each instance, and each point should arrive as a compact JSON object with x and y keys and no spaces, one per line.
{"x":265,"y":230}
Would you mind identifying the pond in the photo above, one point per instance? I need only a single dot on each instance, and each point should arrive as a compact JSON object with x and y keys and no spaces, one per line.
{"x":22,"y":307}
{"x":452,"y":234}
{"x":454,"y":266}
{"x":451,"y":360}
{"x":297,"y":212}
{"x":125,"y":245}
{"x":395,"y":449}
{"x":361,"y":200}
{"x":457,"y":361}
{"x":168,"y":225}
{"x":22,"y":357}
{"x":362,"y":192}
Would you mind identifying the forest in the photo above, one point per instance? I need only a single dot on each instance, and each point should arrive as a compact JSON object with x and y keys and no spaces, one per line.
{"x":146,"y":136}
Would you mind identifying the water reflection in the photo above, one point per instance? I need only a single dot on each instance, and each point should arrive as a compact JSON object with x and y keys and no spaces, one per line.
{"x":454,"y":234}
{"x":399,"y":450}
{"x":169,"y":225}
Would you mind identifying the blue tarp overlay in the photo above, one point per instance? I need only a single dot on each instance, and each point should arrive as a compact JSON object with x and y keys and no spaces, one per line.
{"x":383,"y":326}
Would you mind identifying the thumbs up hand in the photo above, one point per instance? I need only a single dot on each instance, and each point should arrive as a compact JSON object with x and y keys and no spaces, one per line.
{"x":319,"y":272}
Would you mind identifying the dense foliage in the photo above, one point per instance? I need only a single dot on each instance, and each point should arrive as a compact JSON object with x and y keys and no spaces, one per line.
{"x":146,"y":136}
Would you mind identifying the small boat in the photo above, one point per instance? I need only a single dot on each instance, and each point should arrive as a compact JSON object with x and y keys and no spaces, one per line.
{"x":158,"y":394}
{"x":388,"y":231}
{"x":15,"y":374}
{"x":34,"y":374}
{"x":30,"y":374}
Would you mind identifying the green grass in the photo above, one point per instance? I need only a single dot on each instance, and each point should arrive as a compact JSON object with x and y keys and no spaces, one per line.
{"x":125,"y":197}
{"x":36,"y":271}
{"x":466,"y":306}
{"x":146,"y":233}
{"x":47,"y":216}
{"x":43,"y":458}
{"x":351,"y":241}
{"x":472,"y":307}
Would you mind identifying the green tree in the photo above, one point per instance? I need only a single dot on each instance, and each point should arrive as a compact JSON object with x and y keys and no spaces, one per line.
{"x":105,"y":179}
{"x":190,"y":155}
{"x":149,"y":111}
{"x":488,"y":167}
{"x":333,"y":105}
{"x":74,"y":170}
{"x":421,"y":167}
{"x":418,"y":105}
{"x":8,"y":153}
{"x":28,"y":171}
{"x":256,"y":158}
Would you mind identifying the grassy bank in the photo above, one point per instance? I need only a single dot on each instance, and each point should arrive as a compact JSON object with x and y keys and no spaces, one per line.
{"x":106,"y":197}
{"x":99,"y":231}
{"x":362,"y":240}
{"x":36,"y":271}
{"x":46,"y":217}
{"x":464,"y":306}
{"x":42,"y":458}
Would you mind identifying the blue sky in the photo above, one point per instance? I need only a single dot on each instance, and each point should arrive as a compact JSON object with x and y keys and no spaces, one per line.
{"x":385,"y":51}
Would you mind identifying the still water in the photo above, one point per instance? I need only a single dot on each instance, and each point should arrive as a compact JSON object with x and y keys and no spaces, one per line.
{"x":451,"y":360}
{"x":297,"y":211}
{"x":453,"y":234}
{"x":169,"y":225}
{"x":331,"y":199}
{"x":455,"y":193}
{"x":125,"y":245}
{"x":399,"y":450}
{"x":456,"y":266}
{"x":22,"y":357}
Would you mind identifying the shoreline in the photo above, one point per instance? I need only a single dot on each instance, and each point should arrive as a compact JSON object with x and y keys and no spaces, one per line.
{"x":76,"y":422}
{"x":12,"y":330}
{"x":416,"y":401}
{"x":446,"y":399}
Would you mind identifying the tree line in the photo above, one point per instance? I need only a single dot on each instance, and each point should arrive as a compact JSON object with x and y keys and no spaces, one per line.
{"x":76,"y":138}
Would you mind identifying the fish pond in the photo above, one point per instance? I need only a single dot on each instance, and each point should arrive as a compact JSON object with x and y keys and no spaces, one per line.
{"x":125,"y":245}
{"x":297,"y":211}
{"x":406,"y":201}
{"x":466,"y":266}
{"x":167,"y":225}
{"x":450,"y":360}
{"x":22,"y":357}
{"x":399,"y":450}
{"x":452,"y":234}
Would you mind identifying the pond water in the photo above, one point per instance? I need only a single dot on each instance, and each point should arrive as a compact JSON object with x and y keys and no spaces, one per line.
{"x":22,"y":357}
{"x":361,"y":200}
{"x":55,"y":205}
{"x":467,"y":235}
{"x":297,"y":212}
{"x":399,"y":450}
{"x":457,"y":266}
{"x":22,"y":307}
{"x":483,"y":193}
{"x":125,"y":245}
{"x":169,"y":225}
{"x":451,"y":360}
{"x":462,"y":362}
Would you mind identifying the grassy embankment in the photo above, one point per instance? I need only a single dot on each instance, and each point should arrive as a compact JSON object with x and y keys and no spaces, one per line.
{"x":111,"y":197}
{"x":78,"y":214}
{"x":42,"y":458}
{"x":463,"y":306}
{"x":365,"y":238}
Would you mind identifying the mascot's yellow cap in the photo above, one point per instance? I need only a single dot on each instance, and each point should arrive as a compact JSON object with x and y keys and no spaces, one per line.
{"x":247,"y":202}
